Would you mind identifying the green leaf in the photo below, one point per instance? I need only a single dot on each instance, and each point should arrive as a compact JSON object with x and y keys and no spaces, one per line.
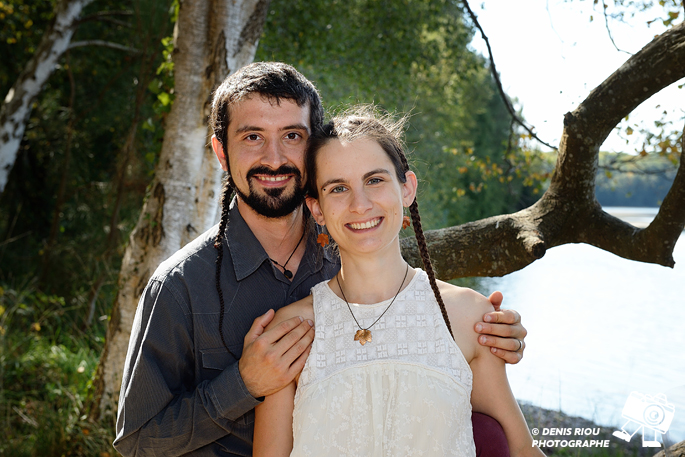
{"x":164,"y":98}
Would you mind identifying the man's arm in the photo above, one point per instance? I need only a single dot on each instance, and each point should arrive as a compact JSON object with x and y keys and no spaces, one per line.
{"x":502,"y":331}
{"x":161,"y":412}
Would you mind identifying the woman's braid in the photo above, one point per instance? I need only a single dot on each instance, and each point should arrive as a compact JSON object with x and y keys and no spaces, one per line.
{"x":423,"y":250}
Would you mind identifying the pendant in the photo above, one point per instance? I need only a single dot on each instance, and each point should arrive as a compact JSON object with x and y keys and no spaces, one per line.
{"x":288,"y":274}
{"x":363,"y":336}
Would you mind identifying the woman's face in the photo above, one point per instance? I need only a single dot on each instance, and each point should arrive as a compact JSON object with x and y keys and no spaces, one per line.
{"x":360,"y":198}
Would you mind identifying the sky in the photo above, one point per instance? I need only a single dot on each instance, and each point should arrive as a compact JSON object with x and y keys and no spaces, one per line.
{"x":550,"y":55}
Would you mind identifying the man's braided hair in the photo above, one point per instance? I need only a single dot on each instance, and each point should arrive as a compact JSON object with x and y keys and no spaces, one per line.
{"x":273,"y":81}
{"x":365,"y":122}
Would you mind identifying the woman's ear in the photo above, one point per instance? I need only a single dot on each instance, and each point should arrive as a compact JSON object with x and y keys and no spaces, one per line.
{"x":315,"y":209}
{"x":409,"y":189}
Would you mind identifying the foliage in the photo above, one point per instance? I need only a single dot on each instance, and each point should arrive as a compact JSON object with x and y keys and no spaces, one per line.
{"x":458,"y":129}
{"x":45,"y":370}
{"x":48,"y":353}
{"x":106,"y":82}
{"x":664,"y":11}
{"x":629,"y":180}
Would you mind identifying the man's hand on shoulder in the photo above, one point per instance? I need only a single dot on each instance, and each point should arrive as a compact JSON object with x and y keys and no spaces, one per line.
{"x":502,"y":331}
{"x":273,"y":357}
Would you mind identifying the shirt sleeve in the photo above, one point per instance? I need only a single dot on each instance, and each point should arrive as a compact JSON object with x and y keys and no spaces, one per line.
{"x":161,"y":412}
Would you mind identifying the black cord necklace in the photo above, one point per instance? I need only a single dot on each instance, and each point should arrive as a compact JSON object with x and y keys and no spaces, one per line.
{"x":363,"y":335}
{"x":287,"y":273}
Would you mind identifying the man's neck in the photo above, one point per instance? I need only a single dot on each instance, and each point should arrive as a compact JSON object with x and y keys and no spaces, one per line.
{"x":278,"y":236}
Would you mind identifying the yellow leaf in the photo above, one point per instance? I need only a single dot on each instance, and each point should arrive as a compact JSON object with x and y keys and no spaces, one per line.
{"x":35,"y":327}
{"x":629,"y":131}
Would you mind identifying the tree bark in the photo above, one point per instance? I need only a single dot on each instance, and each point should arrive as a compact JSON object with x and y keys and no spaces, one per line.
{"x":677,"y":450}
{"x":568,"y":212}
{"x":213,"y":39}
{"x":16,"y":108}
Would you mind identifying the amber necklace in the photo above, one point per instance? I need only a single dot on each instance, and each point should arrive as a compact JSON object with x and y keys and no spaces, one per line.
{"x":363,"y":335}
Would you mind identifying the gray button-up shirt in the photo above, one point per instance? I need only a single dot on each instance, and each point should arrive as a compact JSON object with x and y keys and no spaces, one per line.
{"x":181,"y":391}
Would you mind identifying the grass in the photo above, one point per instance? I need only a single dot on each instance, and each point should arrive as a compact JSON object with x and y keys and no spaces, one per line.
{"x":46,"y":364}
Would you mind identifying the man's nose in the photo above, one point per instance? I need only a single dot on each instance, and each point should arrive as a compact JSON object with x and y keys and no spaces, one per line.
{"x":273,"y":156}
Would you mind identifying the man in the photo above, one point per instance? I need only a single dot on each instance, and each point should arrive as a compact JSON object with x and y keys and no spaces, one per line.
{"x":199,"y":359}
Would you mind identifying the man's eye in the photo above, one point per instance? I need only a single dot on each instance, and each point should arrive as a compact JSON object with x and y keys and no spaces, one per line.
{"x":337,"y":189}
{"x":252,"y":137}
{"x":375,"y":180}
{"x":293,"y":136}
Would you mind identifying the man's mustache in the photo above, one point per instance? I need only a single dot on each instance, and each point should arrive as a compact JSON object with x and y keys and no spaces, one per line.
{"x":282,"y":170}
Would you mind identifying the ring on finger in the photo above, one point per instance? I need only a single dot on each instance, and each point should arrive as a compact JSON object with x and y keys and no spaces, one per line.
{"x":520,"y":345}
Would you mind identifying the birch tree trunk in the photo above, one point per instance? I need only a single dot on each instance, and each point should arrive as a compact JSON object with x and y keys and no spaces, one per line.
{"x":16,"y":108}
{"x":213,"y":39}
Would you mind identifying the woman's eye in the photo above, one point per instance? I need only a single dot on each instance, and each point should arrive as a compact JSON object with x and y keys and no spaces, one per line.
{"x":293,"y":136}
{"x":374,"y":181}
{"x":337,"y":189}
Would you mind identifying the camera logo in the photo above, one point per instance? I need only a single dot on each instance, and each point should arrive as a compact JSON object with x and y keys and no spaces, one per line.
{"x":646,"y":414}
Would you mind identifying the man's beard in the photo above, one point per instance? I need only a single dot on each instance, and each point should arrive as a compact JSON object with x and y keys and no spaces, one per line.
{"x":274,"y":204}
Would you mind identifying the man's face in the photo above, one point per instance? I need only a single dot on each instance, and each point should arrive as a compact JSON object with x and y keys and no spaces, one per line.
{"x":266,"y":144}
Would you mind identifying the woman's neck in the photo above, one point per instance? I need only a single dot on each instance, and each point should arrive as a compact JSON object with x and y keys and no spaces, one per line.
{"x":371,"y":278}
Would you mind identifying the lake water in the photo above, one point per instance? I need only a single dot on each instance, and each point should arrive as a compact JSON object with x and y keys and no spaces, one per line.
{"x":600,"y":327}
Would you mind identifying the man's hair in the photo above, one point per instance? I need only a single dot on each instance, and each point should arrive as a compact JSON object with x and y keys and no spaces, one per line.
{"x":365,"y":122}
{"x":274,"y":81}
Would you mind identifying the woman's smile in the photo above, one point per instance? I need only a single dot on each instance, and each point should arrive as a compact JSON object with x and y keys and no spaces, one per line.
{"x":365,"y":225}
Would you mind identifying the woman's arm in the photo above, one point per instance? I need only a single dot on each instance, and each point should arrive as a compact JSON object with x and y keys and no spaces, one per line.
{"x":491,"y":393}
{"x":273,"y":426}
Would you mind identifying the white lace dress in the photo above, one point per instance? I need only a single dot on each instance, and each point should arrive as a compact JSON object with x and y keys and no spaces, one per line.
{"x":406,"y":393}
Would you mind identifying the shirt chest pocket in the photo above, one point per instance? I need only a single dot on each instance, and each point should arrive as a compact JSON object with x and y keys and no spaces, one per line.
{"x":217,"y":359}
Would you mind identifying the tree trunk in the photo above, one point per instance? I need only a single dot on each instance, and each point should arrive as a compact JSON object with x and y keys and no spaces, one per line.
{"x":569,"y":212}
{"x":213,"y":39}
{"x":16,"y":108}
{"x":677,"y":450}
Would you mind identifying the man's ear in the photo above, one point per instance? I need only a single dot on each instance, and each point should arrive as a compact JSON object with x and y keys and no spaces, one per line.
{"x":409,"y":189}
{"x":219,"y":151}
{"x":315,"y":209}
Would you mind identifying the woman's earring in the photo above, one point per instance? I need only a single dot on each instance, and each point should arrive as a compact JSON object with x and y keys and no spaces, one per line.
{"x":322,"y":239}
{"x":406,"y":222}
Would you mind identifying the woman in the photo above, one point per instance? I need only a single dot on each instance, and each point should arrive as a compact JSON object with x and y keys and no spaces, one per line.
{"x":385,"y":376}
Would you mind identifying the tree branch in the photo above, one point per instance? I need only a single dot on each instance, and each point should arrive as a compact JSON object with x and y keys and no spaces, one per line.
{"x":106,"y":16}
{"x":568,"y":212}
{"x":498,"y":82}
{"x":102,"y":14}
{"x":107,"y":44}
{"x":606,"y":23}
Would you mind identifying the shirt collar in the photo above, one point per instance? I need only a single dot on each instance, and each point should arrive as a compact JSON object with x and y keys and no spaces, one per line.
{"x":248,"y":254}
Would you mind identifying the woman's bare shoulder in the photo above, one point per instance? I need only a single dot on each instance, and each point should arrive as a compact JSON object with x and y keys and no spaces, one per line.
{"x":465,"y":307}
{"x":303,"y":308}
{"x":464,"y":301}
